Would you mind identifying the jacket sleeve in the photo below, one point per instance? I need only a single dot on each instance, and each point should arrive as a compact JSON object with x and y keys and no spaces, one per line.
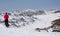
{"x":8,"y":16}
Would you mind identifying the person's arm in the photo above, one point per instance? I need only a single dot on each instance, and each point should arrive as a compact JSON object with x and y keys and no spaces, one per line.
{"x":8,"y":16}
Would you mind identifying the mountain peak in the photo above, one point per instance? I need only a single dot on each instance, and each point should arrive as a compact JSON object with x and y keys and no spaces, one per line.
{"x":30,"y":10}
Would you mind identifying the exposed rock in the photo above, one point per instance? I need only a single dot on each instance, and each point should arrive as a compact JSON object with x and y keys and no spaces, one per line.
{"x":39,"y":29}
{"x":56,"y":25}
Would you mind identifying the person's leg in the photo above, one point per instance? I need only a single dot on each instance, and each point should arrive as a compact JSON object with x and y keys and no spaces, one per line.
{"x":6,"y":23}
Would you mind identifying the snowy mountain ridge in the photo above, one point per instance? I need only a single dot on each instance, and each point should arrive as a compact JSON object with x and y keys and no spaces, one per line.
{"x":24,"y":23}
{"x":27,"y":16}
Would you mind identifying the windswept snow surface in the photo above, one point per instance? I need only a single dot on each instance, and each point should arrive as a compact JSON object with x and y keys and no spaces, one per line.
{"x":29,"y":30}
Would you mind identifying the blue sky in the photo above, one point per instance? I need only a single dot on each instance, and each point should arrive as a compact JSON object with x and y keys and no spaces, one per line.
{"x":9,"y":5}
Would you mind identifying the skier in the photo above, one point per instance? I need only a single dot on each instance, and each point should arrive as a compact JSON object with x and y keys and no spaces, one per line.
{"x":6,"y":16}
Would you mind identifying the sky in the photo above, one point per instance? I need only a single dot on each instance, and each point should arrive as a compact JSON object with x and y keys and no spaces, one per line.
{"x":9,"y":5}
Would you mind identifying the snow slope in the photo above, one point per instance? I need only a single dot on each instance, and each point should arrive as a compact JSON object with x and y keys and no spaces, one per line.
{"x":29,"y":28}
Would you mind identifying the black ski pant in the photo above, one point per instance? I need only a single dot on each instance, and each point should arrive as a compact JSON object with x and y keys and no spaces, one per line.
{"x":6,"y":23}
